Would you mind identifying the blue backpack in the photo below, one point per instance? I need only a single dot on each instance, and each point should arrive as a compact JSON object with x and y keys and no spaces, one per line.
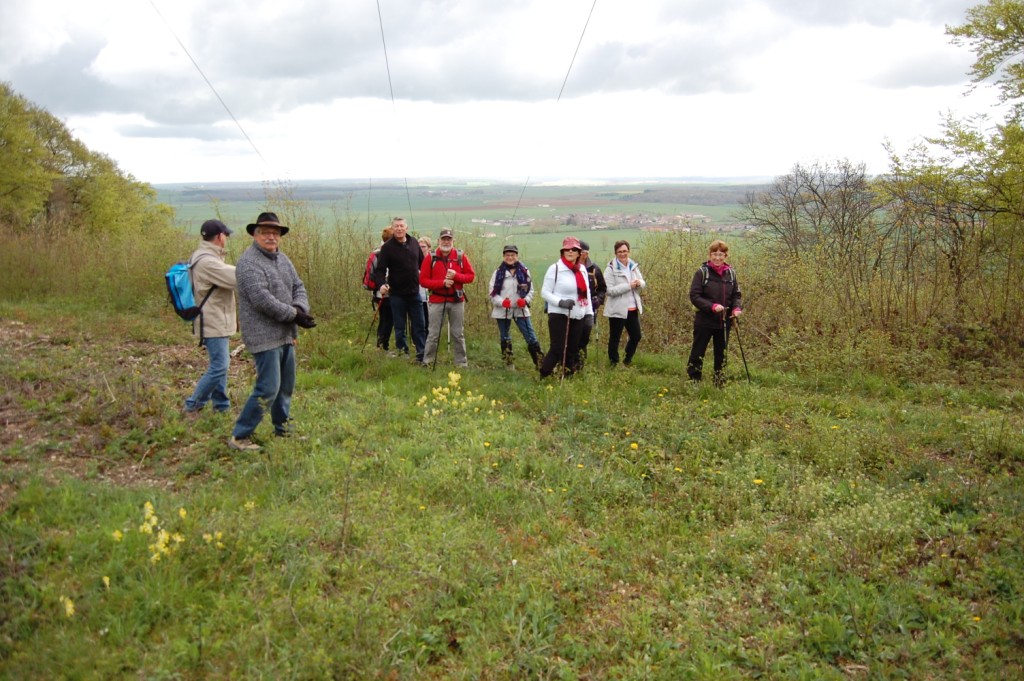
{"x":179,"y":285}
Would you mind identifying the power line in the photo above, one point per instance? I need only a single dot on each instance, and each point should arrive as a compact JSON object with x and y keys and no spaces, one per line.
{"x":391,"y":89}
{"x":564,"y":81}
{"x":213,"y":89}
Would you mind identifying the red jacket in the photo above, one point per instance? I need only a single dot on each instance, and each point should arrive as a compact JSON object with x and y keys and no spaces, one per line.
{"x":434,"y":269}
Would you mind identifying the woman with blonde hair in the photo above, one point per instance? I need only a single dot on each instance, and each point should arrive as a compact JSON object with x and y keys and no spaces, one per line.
{"x":716,"y":294}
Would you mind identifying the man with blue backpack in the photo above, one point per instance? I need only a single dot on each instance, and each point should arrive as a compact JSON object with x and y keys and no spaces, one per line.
{"x":213,"y":281}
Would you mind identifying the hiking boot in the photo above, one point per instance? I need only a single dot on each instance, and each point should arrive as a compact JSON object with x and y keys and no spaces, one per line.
{"x":506,"y":354}
{"x":191,"y":414}
{"x":536,"y":354}
{"x":243,"y":444}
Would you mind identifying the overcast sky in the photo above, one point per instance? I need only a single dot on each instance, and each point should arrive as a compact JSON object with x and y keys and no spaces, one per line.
{"x":659,"y":88}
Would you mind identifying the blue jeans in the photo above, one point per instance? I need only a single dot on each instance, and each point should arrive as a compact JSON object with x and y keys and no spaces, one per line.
{"x":412,"y":307}
{"x":213,"y":385}
{"x":275,"y":382}
{"x":525,"y":328}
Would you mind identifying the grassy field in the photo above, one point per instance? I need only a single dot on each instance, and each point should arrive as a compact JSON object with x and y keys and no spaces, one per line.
{"x":433,"y":206}
{"x":833,"y":523}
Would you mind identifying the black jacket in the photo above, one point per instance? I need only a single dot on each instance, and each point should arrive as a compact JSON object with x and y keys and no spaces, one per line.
{"x":722,"y":290}
{"x":598,"y":289}
{"x":400,"y":264}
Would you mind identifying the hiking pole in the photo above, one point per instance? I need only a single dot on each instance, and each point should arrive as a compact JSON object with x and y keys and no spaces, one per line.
{"x":739,"y":339}
{"x":565,"y":348}
{"x":376,"y":311}
{"x":444,"y":310}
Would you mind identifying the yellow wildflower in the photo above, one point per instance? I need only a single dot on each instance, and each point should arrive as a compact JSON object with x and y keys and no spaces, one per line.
{"x":182,"y":513}
{"x":106,"y":582}
{"x":116,"y":534}
{"x":69,"y":606}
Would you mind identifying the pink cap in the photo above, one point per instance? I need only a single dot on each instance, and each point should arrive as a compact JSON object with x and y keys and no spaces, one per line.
{"x":570,"y":242}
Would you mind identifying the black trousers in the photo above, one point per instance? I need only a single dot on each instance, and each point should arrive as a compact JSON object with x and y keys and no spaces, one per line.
{"x":701,"y":337}
{"x":564,"y":334}
{"x":385,"y":323}
{"x":615,"y":326}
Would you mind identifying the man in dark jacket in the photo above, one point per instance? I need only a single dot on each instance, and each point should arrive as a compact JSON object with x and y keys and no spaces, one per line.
{"x":598,"y":289}
{"x":398,"y":278}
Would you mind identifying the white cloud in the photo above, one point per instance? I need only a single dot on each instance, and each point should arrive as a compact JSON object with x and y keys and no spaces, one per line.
{"x":706,"y":87}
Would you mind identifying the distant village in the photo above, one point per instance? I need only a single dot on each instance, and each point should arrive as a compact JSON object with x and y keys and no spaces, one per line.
{"x":686,"y":222}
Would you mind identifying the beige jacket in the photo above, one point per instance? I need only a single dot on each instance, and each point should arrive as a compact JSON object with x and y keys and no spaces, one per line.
{"x":209,"y":269}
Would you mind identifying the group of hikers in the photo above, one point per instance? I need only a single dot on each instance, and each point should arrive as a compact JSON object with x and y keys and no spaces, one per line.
{"x":416,"y":289}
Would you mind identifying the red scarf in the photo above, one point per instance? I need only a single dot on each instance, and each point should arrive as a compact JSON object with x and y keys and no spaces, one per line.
{"x":581,"y":283}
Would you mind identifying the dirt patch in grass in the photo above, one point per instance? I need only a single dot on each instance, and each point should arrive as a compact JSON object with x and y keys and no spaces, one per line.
{"x":98,"y":408}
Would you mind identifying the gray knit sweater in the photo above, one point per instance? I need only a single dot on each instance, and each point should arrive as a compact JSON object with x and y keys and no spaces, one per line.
{"x":269,"y":288}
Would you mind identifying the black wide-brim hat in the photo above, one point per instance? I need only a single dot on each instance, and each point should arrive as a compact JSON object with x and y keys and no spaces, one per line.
{"x":266,"y":220}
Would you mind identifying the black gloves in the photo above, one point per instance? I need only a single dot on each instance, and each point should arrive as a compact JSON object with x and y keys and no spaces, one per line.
{"x":304,"y":320}
{"x":567,"y":303}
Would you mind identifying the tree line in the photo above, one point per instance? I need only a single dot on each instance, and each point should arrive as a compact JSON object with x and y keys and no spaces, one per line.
{"x":51,"y":180}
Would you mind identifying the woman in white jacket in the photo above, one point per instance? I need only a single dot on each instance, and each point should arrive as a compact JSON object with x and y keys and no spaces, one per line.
{"x":512,"y":292}
{"x":567,"y":294}
{"x":623,"y":305}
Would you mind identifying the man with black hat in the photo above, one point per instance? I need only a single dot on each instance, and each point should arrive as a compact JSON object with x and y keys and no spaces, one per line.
{"x":272,"y":300}
{"x":217,"y":321}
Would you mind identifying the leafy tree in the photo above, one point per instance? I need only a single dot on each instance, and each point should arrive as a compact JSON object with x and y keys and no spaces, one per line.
{"x":994,"y":31}
{"x":50,"y":180}
{"x":26,"y":179}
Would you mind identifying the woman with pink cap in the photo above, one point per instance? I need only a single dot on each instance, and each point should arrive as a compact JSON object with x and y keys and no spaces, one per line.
{"x":567,"y":294}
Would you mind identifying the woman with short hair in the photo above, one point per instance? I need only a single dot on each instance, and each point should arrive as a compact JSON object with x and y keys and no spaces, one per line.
{"x":716,"y":294}
{"x":512,"y":291}
{"x":623,"y":305}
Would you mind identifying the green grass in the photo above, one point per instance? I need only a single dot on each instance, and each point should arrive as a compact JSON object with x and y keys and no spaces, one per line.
{"x":817,"y":523}
{"x":431,"y":207}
